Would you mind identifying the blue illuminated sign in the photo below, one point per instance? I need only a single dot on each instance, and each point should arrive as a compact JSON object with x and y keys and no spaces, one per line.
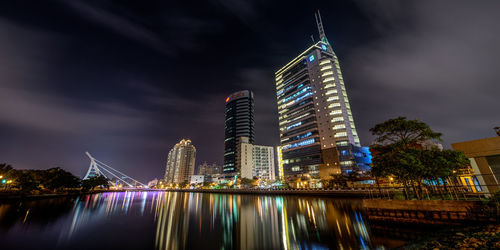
{"x":323,"y":46}
{"x":311,"y":58}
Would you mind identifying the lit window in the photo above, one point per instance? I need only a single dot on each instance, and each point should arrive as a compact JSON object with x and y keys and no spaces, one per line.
{"x":311,"y":58}
{"x":329,"y":79}
{"x":326,"y":67}
{"x":342,"y":134}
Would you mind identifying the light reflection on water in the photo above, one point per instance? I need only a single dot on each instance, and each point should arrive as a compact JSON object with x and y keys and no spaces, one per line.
{"x":174,"y":220}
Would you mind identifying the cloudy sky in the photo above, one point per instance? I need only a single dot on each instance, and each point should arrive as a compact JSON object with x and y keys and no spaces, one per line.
{"x":126,"y":81}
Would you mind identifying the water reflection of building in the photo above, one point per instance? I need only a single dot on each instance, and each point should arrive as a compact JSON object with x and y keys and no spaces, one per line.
{"x":203,"y":220}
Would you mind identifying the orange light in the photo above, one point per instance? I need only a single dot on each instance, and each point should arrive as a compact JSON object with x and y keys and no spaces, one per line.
{"x":227,"y":99}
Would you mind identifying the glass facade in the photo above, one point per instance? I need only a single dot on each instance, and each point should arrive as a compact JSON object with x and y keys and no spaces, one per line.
{"x":317,"y":131}
{"x":239,"y":122}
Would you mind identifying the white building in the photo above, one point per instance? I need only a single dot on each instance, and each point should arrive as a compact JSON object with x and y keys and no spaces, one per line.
{"x":196,"y":179}
{"x":180,"y":163}
{"x":256,"y":161}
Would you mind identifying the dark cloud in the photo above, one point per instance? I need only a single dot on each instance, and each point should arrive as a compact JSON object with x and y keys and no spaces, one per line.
{"x":436,"y":61}
{"x":127,"y":81}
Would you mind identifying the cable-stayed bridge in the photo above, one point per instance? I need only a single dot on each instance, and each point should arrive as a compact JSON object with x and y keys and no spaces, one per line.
{"x":98,"y":168}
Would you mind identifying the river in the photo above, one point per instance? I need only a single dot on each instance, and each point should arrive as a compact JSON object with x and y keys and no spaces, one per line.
{"x":177,"y":220}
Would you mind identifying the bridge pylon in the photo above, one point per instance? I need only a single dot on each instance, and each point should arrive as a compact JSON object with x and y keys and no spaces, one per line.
{"x":98,"y":168}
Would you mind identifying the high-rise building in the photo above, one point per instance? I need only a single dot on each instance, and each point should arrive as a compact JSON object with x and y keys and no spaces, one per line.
{"x":255,"y":161}
{"x":208,"y":169}
{"x":180,"y":163}
{"x":239,"y":123}
{"x":317,"y":131}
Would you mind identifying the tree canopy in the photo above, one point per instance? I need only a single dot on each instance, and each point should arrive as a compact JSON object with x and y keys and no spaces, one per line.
{"x":402,"y":132}
{"x":397,"y":153}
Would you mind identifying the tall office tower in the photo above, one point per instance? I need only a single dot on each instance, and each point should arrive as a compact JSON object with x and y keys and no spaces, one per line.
{"x":255,"y":161}
{"x":317,"y":131}
{"x":239,"y":123}
{"x":180,"y":163}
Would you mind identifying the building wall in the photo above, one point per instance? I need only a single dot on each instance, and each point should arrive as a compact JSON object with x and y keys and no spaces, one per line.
{"x":180,"y":163}
{"x":256,"y":161}
{"x":484,"y":157}
{"x":263,"y":162}
{"x":316,"y":121}
{"x":209,"y":169}
{"x":239,"y":122}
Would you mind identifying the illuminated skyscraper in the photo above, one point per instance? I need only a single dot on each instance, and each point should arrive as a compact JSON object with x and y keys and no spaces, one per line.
{"x":239,"y":123}
{"x":317,"y":131}
{"x":180,"y":163}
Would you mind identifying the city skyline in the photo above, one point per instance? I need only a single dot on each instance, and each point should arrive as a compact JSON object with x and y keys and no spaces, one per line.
{"x":119,"y":80}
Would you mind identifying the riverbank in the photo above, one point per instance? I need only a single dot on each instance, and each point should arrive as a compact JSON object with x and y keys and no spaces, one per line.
{"x":476,"y":237}
{"x":455,"y":212}
{"x":17,"y":195}
{"x":352,"y":193}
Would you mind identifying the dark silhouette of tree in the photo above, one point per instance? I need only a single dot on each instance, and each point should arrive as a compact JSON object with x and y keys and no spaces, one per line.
{"x":396,"y":153}
{"x":95,"y":181}
{"x":57,"y":178}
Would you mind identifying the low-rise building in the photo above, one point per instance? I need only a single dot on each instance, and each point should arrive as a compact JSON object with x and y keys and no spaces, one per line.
{"x":256,"y":161}
{"x":196,"y":179}
{"x":484,"y":157}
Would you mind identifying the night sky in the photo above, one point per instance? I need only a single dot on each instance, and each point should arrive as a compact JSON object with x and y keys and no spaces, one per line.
{"x":126,"y":81}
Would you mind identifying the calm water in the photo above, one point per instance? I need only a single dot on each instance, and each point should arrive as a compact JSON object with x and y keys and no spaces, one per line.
{"x":172,"y":220}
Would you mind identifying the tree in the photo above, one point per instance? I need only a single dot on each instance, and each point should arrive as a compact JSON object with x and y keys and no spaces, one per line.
{"x":95,"y":181}
{"x":246,"y":183}
{"x":338,"y":180}
{"x":5,"y":168}
{"x":395,"y":153}
{"x":57,"y":178}
{"x":24,"y":180}
{"x":400,"y":132}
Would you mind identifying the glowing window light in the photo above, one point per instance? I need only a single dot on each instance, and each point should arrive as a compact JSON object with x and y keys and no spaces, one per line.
{"x":323,"y":47}
{"x":303,"y":136}
{"x":326,"y":67}
{"x":336,"y":112}
{"x":332,"y":98}
{"x":329,"y":92}
{"x":342,"y":134}
{"x":340,"y":126}
{"x":333,"y":105}
{"x":329,"y":79}
{"x":304,"y":96}
{"x":328,"y":73}
{"x":296,"y":94}
{"x":294,"y":125}
{"x":300,"y":117}
{"x":299,"y":144}
{"x":330,"y":85}
{"x":324,"y":62}
{"x":311,"y":58}
{"x":338,"y":119}
{"x":227,"y":99}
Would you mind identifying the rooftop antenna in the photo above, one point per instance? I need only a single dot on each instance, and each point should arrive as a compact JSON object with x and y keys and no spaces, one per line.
{"x":321,"y":30}
{"x":312,"y":38}
{"x":320,"y":25}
